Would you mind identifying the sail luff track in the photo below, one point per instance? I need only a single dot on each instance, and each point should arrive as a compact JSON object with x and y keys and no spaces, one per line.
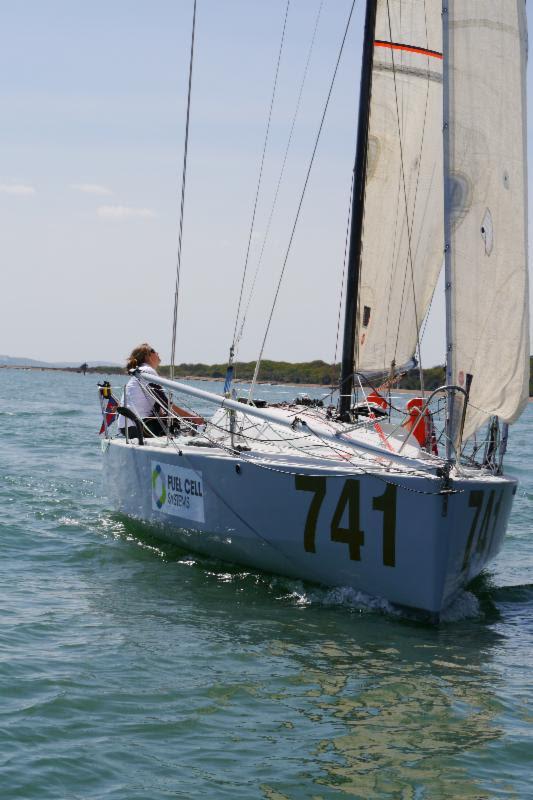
{"x":356,"y":230}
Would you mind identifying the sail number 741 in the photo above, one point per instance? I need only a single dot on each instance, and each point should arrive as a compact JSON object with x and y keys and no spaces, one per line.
{"x":348,"y":508}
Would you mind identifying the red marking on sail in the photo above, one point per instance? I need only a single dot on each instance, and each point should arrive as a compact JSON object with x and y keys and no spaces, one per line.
{"x":409,"y":48}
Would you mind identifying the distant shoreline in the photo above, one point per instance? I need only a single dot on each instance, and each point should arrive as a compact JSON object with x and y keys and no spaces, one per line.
{"x":117,"y":371}
{"x":292,"y":380}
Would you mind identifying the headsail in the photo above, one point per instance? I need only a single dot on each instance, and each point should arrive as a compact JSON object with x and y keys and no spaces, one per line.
{"x":402,"y":246}
{"x":487,"y":43}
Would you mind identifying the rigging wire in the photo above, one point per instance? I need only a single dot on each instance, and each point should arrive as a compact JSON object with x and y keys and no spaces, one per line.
{"x":259,"y":180}
{"x":342,"y":453}
{"x":182,"y":205}
{"x":344,"y":268}
{"x":317,"y":139}
{"x":274,"y":202}
{"x":395,"y":251}
{"x":409,"y":246}
{"x":425,"y":323}
{"x":426,"y":104}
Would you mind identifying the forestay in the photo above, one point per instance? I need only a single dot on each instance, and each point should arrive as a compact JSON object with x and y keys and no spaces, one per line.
{"x":488,"y":252}
{"x":402,"y":248}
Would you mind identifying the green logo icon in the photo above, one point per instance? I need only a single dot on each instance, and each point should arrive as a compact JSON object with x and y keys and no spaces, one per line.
{"x":159,"y":492}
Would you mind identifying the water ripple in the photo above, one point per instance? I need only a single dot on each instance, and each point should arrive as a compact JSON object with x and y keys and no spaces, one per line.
{"x":135,"y":670}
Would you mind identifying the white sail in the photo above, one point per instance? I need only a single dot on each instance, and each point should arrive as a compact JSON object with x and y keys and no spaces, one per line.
{"x":402,"y":248}
{"x":488,"y":215}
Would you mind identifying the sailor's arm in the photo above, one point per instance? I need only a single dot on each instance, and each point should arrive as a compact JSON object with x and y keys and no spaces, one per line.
{"x":190,"y":416}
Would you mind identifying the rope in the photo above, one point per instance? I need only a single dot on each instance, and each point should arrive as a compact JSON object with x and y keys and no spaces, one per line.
{"x":258,"y":363}
{"x":182,"y":206}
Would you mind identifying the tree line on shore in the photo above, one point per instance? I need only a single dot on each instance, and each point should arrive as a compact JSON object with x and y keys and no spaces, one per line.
{"x":307,"y":372}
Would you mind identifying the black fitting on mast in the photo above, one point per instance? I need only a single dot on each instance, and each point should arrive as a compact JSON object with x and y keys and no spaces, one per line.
{"x":356,"y":229}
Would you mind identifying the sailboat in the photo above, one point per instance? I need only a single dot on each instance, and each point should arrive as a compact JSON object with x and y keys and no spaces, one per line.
{"x":343,"y":498}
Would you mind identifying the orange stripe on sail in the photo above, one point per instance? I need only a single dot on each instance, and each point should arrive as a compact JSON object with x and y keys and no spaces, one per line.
{"x":408,"y":47}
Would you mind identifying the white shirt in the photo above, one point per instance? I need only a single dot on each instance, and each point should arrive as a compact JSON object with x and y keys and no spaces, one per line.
{"x":136,"y":397}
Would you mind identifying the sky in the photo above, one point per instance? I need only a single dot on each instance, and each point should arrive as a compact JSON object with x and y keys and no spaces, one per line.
{"x":92,"y":119}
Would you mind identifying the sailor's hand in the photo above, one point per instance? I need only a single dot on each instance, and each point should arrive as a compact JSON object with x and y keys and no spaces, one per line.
{"x":188,"y":416}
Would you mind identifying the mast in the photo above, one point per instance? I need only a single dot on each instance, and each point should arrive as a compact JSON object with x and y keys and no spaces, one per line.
{"x":448,"y":267}
{"x":356,"y":229}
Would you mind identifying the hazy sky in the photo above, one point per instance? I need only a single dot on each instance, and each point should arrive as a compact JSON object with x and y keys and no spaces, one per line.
{"x":92,"y":113}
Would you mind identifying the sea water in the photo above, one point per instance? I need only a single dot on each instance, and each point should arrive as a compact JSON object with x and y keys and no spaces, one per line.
{"x":134,"y":670}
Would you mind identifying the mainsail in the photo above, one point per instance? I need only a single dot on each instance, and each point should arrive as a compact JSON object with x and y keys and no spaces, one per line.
{"x":487,"y":51}
{"x":402,"y":243}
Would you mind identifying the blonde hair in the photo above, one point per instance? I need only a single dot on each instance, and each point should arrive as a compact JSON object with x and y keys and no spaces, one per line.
{"x":139,"y":356}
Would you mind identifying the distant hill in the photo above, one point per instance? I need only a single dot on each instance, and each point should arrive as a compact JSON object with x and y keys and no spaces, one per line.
{"x":8,"y":361}
{"x":14,"y":361}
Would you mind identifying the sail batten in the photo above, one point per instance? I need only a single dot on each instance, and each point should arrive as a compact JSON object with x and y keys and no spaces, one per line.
{"x":402,"y":243}
{"x":487,"y":190}
{"x":410,"y":48}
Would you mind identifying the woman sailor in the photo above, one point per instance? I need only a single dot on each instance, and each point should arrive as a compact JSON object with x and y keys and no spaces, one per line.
{"x":148,"y":401}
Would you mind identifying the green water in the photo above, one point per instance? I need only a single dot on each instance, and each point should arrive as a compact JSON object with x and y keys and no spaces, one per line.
{"x":133,"y":670}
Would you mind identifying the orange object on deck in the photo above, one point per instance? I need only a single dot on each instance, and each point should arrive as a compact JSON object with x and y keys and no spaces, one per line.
{"x":377,"y":399}
{"x":421,"y":426}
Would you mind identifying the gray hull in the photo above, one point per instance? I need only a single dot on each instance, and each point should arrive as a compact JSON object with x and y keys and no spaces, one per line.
{"x":384,"y":533}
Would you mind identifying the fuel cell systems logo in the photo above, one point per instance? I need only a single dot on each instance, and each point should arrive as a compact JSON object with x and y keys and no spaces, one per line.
{"x":177,"y":491}
{"x":159,"y":492}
